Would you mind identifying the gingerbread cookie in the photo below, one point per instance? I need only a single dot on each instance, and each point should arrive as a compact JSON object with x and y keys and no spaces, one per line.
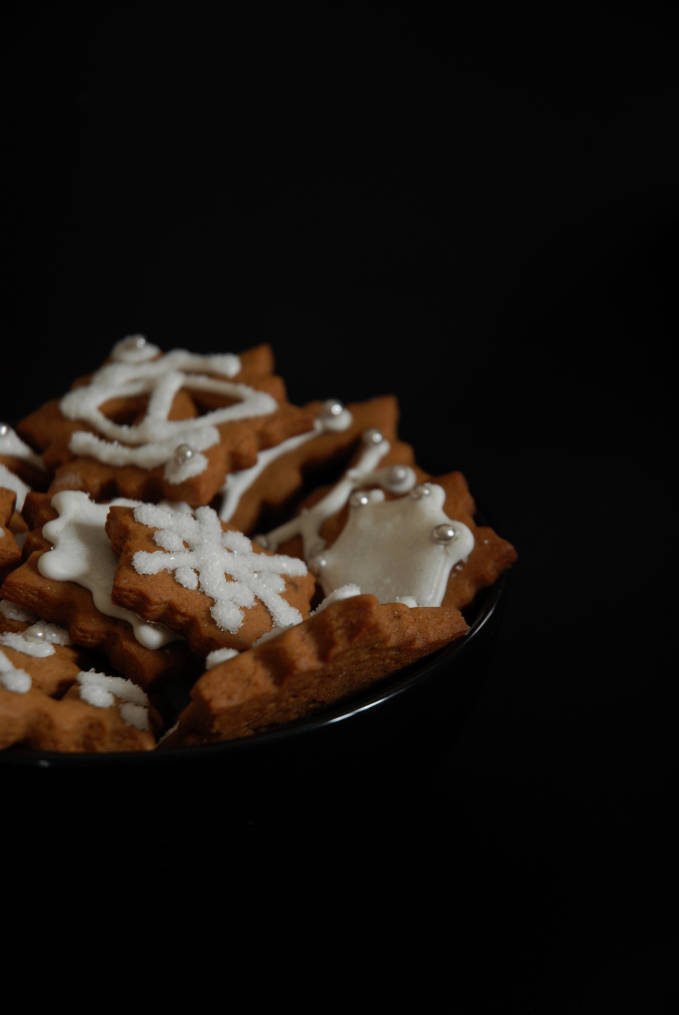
{"x":269,"y":489}
{"x":67,"y":578}
{"x":21,"y":469}
{"x":203,"y":578}
{"x":191,"y":558}
{"x":345,"y":647}
{"x":389,"y":528}
{"x":10,"y":551}
{"x":49,"y":702}
{"x":150,"y":425}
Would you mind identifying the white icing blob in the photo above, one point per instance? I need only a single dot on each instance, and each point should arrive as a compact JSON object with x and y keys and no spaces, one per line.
{"x":219,"y":655}
{"x":102,"y":691}
{"x":12,"y":679}
{"x":153,"y":440}
{"x":201,"y":556}
{"x":82,"y":553}
{"x":389,"y":549}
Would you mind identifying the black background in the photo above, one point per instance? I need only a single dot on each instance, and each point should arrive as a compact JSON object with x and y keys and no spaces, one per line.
{"x":477,"y":210}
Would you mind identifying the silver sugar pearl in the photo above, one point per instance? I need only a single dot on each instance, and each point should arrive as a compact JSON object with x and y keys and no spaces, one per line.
{"x":37,"y":634}
{"x":135,"y":342}
{"x":4,"y":429}
{"x":262,"y":541}
{"x":420,"y":491}
{"x":182,"y":453}
{"x":443,"y":533}
{"x":373,"y":436}
{"x":359,"y":499}
{"x":317,"y":563}
{"x":397,"y":473}
{"x":332,"y":409}
{"x":399,"y":478}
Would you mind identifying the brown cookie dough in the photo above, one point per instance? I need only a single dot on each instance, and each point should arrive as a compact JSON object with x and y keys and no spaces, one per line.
{"x":341,"y":650}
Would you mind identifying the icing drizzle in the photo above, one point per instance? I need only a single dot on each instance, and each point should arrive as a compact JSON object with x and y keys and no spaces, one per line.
{"x":331,"y":416}
{"x":134,"y":369}
{"x":14,"y":447}
{"x":10,"y":481}
{"x":395,"y":478}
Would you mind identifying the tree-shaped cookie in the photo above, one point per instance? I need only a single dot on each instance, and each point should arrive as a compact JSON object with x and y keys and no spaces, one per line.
{"x":151,"y":425}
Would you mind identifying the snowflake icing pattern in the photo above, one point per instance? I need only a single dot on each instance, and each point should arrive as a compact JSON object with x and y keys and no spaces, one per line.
{"x":201,"y":555}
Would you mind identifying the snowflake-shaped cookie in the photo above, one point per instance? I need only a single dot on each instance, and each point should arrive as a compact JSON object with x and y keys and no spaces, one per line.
{"x":221,"y":562}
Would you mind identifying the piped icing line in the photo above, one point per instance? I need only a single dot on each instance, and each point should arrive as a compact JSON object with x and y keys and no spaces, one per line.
{"x":14,"y":447}
{"x":365,"y":473}
{"x":102,"y":691}
{"x":200,"y":555}
{"x":153,"y":440}
{"x":332,"y":416}
{"x":81,"y":553}
{"x":10,"y":481}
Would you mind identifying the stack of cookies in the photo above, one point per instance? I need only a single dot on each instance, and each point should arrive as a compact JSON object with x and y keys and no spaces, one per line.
{"x":186,"y":557}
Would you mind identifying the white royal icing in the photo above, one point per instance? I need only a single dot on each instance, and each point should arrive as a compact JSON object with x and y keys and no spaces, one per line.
{"x":82,"y":553}
{"x":14,"y":612}
{"x":219,"y":655}
{"x":10,"y":481}
{"x":38,"y":640}
{"x":13,"y":446}
{"x":13,"y":679}
{"x":364,"y":473}
{"x":102,"y":691}
{"x":154,"y":440}
{"x":201,"y":555}
{"x":389,"y":548}
{"x":337,"y":596}
{"x":238,"y":482}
